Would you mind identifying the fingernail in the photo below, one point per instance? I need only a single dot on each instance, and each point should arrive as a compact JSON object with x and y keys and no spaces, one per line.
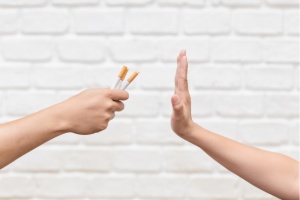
{"x":175,"y":100}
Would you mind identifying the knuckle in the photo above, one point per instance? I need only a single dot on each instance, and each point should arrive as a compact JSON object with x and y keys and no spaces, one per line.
{"x":103,"y":126}
{"x":109,"y":105}
{"x":106,"y":93}
{"x":107,"y":117}
{"x":113,"y":116}
{"x":122,"y":106}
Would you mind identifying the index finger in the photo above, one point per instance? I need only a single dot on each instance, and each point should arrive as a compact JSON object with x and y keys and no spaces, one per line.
{"x":182,"y":53}
{"x":117,"y":94}
{"x":182,"y":75}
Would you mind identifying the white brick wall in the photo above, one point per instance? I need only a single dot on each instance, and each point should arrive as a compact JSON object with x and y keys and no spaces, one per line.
{"x":244,"y":66}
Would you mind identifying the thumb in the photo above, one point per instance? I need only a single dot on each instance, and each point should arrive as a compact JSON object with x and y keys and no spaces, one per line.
{"x":177,"y":105}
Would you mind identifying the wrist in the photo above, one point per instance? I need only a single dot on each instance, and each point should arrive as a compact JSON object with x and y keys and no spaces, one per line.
{"x":192,"y":131}
{"x":185,"y":130}
{"x":55,"y":120}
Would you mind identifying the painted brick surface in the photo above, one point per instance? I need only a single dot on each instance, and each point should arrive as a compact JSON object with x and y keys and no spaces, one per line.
{"x":44,"y":22}
{"x":269,"y":23}
{"x":243,"y":76}
{"x":8,"y":22}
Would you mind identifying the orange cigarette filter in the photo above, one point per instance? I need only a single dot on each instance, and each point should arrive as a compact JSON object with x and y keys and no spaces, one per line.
{"x":123,"y":70}
{"x":125,"y":73}
{"x":132,"y":77}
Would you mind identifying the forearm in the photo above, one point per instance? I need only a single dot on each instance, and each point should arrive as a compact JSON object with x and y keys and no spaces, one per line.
{"x":21,"y":136}
{"x":272,"y":172}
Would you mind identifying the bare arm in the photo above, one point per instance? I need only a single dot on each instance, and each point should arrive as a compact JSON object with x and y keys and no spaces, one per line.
{"x":272,"y":172}
{"x":86,"y":113}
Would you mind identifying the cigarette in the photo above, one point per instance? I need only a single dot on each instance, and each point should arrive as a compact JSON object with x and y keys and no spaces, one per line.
{"x":122,"y":79}
{"x":123,"y":70}
{"x":129,"y":80}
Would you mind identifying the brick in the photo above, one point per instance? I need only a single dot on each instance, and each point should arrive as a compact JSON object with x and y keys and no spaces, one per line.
{"x":182,"y":2}
{"x":197,"y":50}
{"x":201,"y":105}
{"x":133,"y":50}
{"x":8,"y":22}
{"x":156,"y":132}
{"x":217,"y":77}
{"x":139,"y":160}
{"x":1,"y":105}
{"x":291,"y":22}
{"x":112,"y":187}
{"x":14,"y":77}
{"x":17,"y":186}
{"x":264,"y":133}
{"x":103,"y":22}
{"x":18,"y":104}
{"x":163,"y":80}
{"x":22,"y":3}
{"x":154,"y":22}
{"x":294,"y":129}
{"x":74,"y":2}
{"x":284,"y":51}
{"x":141,"y":105}
{"x":17,"y":49}
{"x":283,"y":2}
{"x":88,"y":160}
{"x":53,"y":186}
{"x":58,"y":77}
{"x":81,"y":50}
{"x":297,"y":85}
{"x":97,"y":76}
{"x":237,"y":50}
{"x":118,"y":132}
{"x":256,"y":22}
{"x":67,"y":139}
{"x":239,"y":105}
{"x":161,"y":187}
{"x":276,"y":77}
{"x":187,"y":161}
{"x":226,"y":129}
{"x":213,"y":188}
{"x":40,"y":160}
{"x":44,"y":22}
{"x":295,"y":155}
{"x":128,"y":2}
{"x":283,"y":106}
{"x":25,"y":104}
{"x":241,"y":2}
{"x":251,"y":192}
{"x":206,"y":22}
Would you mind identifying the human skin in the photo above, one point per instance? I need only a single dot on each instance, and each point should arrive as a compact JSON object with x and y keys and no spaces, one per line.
{"x":274,"y":173}
{"x":86,"y":113}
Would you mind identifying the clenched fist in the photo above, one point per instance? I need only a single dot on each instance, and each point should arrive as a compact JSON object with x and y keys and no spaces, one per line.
{"x":90,"y":111}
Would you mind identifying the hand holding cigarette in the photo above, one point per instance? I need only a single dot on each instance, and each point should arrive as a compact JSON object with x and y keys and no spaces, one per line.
{"x":86,"y":113}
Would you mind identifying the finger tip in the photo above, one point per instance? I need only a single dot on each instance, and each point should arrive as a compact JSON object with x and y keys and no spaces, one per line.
{"x":175,"y":99}
{"x":183,"y":52}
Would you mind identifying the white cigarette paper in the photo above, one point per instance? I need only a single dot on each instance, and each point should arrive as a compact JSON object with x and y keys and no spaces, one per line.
{"x":116,"y":83}
{"x":121,"y":81}
{"x":114,"y":86}
{"x":125,"y":85}
{"x":129,"y":80}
